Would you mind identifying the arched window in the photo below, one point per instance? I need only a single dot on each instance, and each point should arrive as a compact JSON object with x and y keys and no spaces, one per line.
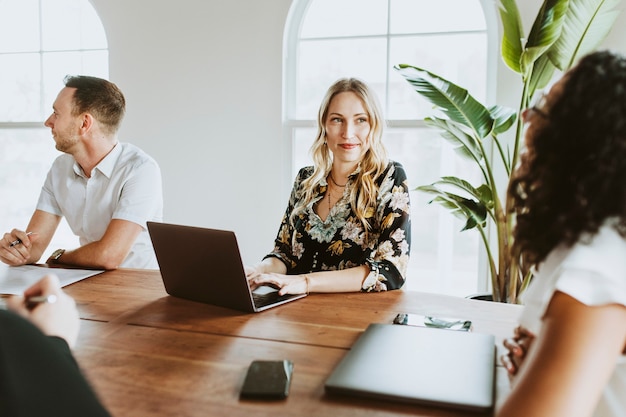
{"x":326,"y":40}
{"x":40,"y":43}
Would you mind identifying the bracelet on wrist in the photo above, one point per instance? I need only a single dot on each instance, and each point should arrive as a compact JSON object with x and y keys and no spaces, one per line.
{"x":306,"y":280}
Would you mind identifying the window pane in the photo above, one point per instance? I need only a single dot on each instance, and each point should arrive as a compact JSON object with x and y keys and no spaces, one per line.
{"x":19,"y":26}
{"x":427,"y":16}
{"x":302,"y":140}
{"x":442,"y":259}
{"x":461,"y":59}
{"x":20,"y":88}
{"x":27,"y":95}
{"x":323,"y":62}
{"x":29,"y":152}
{"x":59,"y":64}
{"x":71,"y":24}
{"x":326,"y":18}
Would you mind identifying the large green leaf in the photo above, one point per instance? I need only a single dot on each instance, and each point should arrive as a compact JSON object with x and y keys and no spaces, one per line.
{"x":467,"y":209}
{"x":543,"y":70}
{"x":482,"y":194}
{"x":486,"y":197}
{"x":504,"y":118}
{"x":464,"y":144}
{"x":453,"y":100}
{"x":513,"y":35}
{"x":521,"y":54}
{"x":545,"y":31}
{"x":586,"y":24}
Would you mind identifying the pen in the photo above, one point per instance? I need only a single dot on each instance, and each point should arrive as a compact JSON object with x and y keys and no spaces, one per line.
{"x":18,"y":241}
{"x":32,"y":302}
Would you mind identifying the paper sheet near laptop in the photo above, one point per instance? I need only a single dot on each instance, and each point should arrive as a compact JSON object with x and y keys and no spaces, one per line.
{"x":15,"y":279}
{"x":205,"y":265}
{"x":419,"y":365}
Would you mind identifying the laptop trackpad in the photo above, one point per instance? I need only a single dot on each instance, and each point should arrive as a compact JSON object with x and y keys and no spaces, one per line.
{"x":266,"y":295}
{"x":264,"y":289}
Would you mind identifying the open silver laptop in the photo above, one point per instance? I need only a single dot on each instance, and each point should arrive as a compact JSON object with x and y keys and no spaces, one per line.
{"x":205,"y":265}
{"x":420,"y":365}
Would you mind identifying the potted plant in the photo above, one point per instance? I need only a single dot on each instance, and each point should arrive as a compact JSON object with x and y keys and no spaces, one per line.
{"x":562,"y":32}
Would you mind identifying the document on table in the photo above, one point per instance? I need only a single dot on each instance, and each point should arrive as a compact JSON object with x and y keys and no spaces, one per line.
{"x":15,"y":279}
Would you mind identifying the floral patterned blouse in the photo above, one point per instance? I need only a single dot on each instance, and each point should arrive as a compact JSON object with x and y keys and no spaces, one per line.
{"x":340,"y":241}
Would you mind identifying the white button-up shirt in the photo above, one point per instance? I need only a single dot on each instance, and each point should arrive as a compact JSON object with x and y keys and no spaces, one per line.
{"x":125,"y":185}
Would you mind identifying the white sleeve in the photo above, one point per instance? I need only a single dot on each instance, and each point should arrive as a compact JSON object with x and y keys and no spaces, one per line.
{"x":142,"y":195}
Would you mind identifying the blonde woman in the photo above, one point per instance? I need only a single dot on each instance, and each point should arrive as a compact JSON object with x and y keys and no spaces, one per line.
{"x":347,"y":225}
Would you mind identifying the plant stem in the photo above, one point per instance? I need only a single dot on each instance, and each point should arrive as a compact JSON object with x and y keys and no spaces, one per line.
{"x":492,"y":264}
{"x":506,"y":163}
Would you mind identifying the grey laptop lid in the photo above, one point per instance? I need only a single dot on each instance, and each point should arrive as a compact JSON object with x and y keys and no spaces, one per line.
{"x":205,"y":265}
{"x":419,"y":365}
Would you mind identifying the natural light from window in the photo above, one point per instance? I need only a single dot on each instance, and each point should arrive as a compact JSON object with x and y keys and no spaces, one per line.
{"x":41,"y":42}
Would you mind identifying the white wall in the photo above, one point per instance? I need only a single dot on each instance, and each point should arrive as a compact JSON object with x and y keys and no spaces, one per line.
{"x":203,"y":83}
{"x":202,"y":79}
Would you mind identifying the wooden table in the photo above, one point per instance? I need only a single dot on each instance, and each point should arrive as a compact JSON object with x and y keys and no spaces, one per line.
{"x":149,"y":354}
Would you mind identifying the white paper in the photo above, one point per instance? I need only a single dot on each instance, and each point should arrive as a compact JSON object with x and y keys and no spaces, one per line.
{"x":15,"y":279}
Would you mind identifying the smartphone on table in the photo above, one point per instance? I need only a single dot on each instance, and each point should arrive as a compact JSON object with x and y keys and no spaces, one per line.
{"x":448,"y":323}
{"x":267,"y":379}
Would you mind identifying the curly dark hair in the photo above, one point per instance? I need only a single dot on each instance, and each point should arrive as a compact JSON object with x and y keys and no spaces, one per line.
{"x":572,"y":178}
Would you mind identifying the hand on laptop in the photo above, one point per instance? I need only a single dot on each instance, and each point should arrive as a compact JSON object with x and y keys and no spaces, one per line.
{"x":271,"y":272}
{"x":286,"y":284}
{"x":518,"y":347}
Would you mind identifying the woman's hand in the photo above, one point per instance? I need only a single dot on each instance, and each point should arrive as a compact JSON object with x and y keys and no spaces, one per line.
{"x":286,"y":284}
{"x":518,"y":347}
{"x":57,"y":316}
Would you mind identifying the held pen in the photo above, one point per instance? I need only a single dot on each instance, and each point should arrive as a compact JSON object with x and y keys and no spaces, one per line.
{"x":18,"y":241}
{"x":40,"y":299}
{"x":32,"y":302}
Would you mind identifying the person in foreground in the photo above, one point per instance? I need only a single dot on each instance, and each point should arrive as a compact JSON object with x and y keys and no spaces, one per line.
{"x":105,"y":189}
{"x":38,"y":374}
{"x":347,"y":225}
{"x":567,"y":358}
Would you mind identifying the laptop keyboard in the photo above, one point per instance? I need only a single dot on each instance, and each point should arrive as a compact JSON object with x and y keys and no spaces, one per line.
{"x":265,"y":299}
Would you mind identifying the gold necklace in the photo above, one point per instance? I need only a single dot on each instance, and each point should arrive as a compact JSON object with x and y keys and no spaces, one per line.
{"x":330,"y":192}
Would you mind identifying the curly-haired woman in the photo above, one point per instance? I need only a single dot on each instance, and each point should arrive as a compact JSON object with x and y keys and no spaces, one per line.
{"x":567,"y":357}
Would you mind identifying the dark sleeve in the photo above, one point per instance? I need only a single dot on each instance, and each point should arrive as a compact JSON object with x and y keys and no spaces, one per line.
{"x":39,"y":376}
{"x":390,"y":259}
{"x":284,"y":239}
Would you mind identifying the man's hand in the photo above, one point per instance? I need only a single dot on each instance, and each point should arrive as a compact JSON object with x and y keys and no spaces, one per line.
{"x":15,"y":247}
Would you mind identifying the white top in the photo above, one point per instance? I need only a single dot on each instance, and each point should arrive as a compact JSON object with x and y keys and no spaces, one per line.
{"x":125,"y":185}
{"x":594,"y":273}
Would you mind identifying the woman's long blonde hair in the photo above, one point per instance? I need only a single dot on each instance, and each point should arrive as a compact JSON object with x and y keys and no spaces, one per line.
{"x":364,"y":191}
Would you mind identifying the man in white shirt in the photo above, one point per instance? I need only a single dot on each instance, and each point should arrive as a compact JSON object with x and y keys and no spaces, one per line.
{"x":106,"y":190}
